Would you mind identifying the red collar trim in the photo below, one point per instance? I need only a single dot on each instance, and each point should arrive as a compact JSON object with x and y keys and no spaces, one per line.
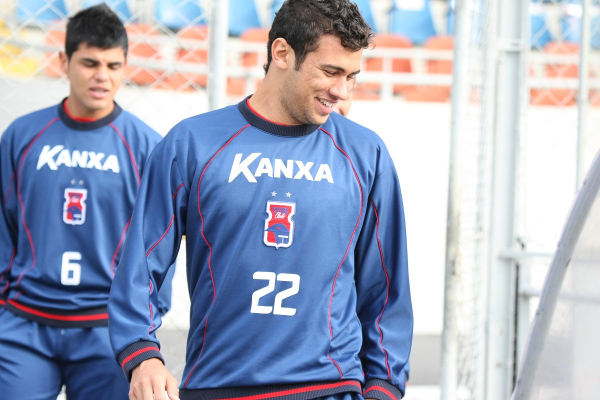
{"x":266,"y":119}
{"x":80,"y":119}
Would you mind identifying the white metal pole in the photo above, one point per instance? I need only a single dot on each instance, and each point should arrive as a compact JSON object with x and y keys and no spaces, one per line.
{"x":583,"y":103}
{"x":556,"y":274}
{"x":460,"y":82}
{"x":217,"y":54}
{"x":501,"y":278}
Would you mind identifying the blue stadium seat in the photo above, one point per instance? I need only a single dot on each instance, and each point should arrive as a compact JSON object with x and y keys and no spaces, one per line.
{"x":540,"y":35}
{"x":41,"y":10}
{"x":450,"y":16}
{"x":275,"y":7}
{"x":118,"y":6}
{"x":242,"y":16}
{"x":363,"y":5}
{"x":570,"y":23}
{"x":365,"y":9}
{"x":175,"y":14}
{"x":413,"y":20}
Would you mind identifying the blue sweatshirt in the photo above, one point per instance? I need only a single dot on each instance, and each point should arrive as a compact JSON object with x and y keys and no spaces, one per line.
{"x":296,"y":259}
{"x":68,"y":190}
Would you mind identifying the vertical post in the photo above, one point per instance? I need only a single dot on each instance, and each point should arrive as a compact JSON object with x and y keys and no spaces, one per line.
{"x":460,"y":82}
{"x":217,"y":55}
{"x":512,"y":42}
{"x":583,"y":103}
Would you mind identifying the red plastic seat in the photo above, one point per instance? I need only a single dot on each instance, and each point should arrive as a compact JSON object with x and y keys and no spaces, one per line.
{"x":434,"y":93}
{"x":557,"y":97}
{"x":194,"y":52}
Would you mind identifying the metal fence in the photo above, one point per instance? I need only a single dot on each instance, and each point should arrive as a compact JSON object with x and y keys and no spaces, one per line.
{"x":522,"y":138}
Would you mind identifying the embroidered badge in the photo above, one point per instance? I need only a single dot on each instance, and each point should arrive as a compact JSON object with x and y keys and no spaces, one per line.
{"x":75,"y":207}
{"x":279,"y":227}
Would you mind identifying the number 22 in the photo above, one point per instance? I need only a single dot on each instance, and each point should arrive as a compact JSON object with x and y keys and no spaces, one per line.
{"x":277,"y":308}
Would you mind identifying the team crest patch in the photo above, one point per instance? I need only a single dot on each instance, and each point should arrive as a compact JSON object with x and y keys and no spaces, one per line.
{"x":75,"y":207}
{"x":279,"y":227}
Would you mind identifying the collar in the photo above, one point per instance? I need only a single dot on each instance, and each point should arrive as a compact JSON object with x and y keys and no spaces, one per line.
{"x":85,"y":125}
{"x":278,"y":129}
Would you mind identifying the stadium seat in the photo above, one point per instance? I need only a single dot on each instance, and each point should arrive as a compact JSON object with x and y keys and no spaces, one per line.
{"x":557,"y":97}
{"x":383,"y":41}
{"x":249,"y":60}
{"x":41,"y":10}
{"x":142,"y":48}
{"x":242,"y":16}
{"x":434,"y":93}
{"x":412,"y":19}
{"x":570,"y":23}
{"x":54,"y":38}
{"x":540,"y":35}
{"x":175,"y":14}
{"x":367,"y":13}
{"x":118,"y":6}
{"x":450,"y":17}
{"x":13,"y":60}
{"x":194,"y":52}
{"x":276,"y":5}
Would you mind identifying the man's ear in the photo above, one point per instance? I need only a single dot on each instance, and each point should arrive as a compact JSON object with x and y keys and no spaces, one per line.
{"x":282,"y":54}
{"x":64,"y":62}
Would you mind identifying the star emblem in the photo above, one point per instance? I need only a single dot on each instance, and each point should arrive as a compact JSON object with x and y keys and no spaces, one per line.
{"x":273,"y":194}
{"x":288,"y":194}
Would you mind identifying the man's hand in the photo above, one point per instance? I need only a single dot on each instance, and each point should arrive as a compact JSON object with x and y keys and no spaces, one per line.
{"x":151,"y":380}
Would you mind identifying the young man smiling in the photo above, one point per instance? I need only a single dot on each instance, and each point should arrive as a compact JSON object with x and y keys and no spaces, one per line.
{"x":69,"y":177}
{"x":296,"y":246}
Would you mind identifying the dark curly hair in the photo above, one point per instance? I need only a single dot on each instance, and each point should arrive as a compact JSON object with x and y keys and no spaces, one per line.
{"x":96,"y":26}
{"x":303,"y":22}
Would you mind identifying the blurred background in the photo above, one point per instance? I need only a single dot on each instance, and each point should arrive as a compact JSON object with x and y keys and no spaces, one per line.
{"x":477,"y":100}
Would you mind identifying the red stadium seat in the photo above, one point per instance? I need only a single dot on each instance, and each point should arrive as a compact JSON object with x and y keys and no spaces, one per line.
{"x":434,"y":93}
{"x":250,"y":60}
{"x":54,"y":38}
{"x":375,"y":64}
{"x":195,"y":52}
{"x":557,"y":97}
{"x":142,"y":49}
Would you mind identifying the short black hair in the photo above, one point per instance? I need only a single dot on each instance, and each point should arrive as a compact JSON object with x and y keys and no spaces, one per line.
{"x":96,"y":26}
{"x":303,"y":22}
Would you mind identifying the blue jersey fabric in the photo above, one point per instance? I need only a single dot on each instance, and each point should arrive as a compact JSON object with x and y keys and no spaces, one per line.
{"x":68,"y":190}
{"x":296,"y":259}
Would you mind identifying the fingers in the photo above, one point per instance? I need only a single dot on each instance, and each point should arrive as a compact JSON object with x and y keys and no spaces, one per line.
{"x":151,"y":380}
{"x":172,"y":389}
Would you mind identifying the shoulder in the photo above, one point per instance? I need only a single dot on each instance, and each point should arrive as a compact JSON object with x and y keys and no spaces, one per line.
{"x":208,"y":128}
{"x":28,"y":126}
{"x":134,"y":127}
{"x":353,"y":136}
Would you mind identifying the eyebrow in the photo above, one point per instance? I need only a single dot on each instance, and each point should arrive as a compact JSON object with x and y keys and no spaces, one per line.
{"x":94,"y":61}
{"x":338,"y":68}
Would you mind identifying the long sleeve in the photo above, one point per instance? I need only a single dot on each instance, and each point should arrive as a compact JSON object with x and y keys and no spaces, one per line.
{"x":151,"y":247}
{"x":384,"y":304}
{"x":7,"y":229}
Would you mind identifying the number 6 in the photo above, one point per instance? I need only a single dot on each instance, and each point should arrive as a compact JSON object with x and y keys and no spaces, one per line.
{"x":70,"y":274}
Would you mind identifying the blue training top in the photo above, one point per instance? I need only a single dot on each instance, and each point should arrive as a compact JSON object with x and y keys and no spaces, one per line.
{"x":296,"y":259}
{"x":68,"y":190}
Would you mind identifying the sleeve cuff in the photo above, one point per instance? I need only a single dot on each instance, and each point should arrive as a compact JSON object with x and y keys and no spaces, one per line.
{"x":381,"y":390}
{"x":136,"y":353}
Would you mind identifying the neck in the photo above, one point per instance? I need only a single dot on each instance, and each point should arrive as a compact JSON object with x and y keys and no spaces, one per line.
{"x":266,"y":101}
{"x":76,"y":111}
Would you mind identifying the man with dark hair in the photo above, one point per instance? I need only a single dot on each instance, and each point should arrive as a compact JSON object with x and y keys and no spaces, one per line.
{"x":69,"y":176}
{"x":296,"y":246}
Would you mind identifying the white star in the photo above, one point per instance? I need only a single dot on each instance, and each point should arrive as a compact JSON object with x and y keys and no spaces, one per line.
{"x":273,"y":194}
{"x":288,"y":194}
